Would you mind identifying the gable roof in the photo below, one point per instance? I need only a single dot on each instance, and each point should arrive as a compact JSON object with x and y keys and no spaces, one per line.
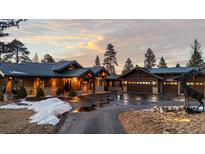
{"x":144,"y":70}
{"x":172,"y":70}
{"x":97,"y":70}
{"x":190,"y":74}
{"x":40,"y":70}
{"x":60,"y":66}
{"x":112,"y":77}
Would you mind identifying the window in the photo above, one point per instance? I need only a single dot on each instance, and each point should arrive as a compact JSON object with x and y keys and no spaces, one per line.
{"x":170,"y":83}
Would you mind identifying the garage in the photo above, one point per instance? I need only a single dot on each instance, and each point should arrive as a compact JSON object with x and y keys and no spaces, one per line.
{"x":199,"y":85}
{"x":170,"y":88}
{"x":139,"y":87}
{"x":140,"y":81}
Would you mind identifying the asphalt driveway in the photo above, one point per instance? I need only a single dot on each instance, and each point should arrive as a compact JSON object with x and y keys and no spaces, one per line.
{"x":102,"y":116}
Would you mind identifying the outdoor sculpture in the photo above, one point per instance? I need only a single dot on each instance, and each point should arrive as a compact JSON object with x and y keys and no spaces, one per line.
{"x":190,"y":92}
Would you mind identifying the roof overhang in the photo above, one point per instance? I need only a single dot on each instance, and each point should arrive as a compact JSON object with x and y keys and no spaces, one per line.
{"x":142,"y":69}
{"x":190,"y":74}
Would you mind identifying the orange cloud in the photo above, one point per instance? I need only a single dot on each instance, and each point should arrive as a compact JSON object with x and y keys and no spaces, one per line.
{"x":90,"y":45}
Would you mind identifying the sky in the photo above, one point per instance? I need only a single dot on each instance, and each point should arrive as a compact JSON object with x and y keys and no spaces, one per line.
{"x":83,"y":40}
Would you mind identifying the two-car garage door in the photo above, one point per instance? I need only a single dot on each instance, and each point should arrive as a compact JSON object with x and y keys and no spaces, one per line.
{"x":139,"y":87}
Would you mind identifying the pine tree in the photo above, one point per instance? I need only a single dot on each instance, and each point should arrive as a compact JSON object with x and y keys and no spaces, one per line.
{"x":35,"y":58}
{"x":4,"y":25}
{"x":128,"y":66}
{"x":196,"y":57}
{"x":2,"y":49}
{"x":97,"y":62}
{"x":47,"y":59}
{"x":150,"y":59}
{"x":178,"y":65}
{"x":110,"y":59}
{"x":17,"y":52}
{"x":8,"y":23}
{"x":162,"y":63}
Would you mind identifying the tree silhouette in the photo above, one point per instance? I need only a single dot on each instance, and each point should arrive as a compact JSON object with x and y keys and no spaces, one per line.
{"x":17,"y":51}
{"x":110,"y":60}
{"x":150,"y":59}
{"x":2,"y":50}
{"x":128,"y":66}
{"x":47,"y":59}
{"x":4,"y":25}
{"x":162,"y":63}
{"x":196,"y":56}
{"x":97,"y":61}
{"x":178,"y":65}
{"x":7,"y":23}
{"x":35,"y":58}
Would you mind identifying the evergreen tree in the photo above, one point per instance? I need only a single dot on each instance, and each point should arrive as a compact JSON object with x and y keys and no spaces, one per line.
{"x":6,"y":24}
{"x":2,"y":49}
{"x":35,"y":58}
{"x":128,"y":66}
{"x":178,"y":65}
{"x":162,"y":63}
{"x":97,"y":61}
{"x":110,"y":59}
{"x":17,"y":52}
{"x":150,"y":59}
{"x":47,"y":59}
{"x":196,"y":57}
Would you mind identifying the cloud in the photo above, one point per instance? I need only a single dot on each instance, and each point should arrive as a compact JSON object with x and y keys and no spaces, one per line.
{"x":83,"y":39}
{"x":93,"y":46}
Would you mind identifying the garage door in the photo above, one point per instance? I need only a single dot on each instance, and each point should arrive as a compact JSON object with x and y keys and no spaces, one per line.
{"x":197,"y":86}
{"x":169,"y":88}
{"x":139,"y":88}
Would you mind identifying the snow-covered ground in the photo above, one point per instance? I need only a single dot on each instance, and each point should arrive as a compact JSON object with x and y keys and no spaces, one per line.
{"x":46,"y":110}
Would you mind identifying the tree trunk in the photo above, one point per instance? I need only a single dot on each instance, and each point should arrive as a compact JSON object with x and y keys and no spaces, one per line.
{"x":17,"y":57}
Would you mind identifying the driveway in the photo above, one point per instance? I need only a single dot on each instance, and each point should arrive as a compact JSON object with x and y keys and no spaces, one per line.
{"x":104,"y":118}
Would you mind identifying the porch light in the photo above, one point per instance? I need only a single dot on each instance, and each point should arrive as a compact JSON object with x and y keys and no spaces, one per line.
{"x":153,"y":82}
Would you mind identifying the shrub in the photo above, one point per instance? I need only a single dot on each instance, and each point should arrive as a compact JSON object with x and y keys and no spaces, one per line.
{"x":40,"y":93}
{"x":21,"y":93}
{"x":59,"y":91}
{"x":72,"y":93}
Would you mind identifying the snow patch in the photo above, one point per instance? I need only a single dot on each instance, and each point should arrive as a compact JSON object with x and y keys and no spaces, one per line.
{"x":46,"y":110}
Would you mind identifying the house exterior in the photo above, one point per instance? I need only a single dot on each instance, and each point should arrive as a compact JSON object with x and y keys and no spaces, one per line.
{"x":51,"y":76}
{"x":113,"y":83}
{"x":160,"y":80}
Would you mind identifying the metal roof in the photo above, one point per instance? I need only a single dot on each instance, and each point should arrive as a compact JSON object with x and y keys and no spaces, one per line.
{"x":40,"y":70}
{"x":97,"y":70}
{"x":112,"y":77}
{"x":144,"y":70}
{"x":60,"y":66}
{"x":172,"y":70}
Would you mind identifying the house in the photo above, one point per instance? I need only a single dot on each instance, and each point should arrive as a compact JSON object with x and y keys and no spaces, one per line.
{"x":160,"y":80}
{"x":113,"y":83}
{"x":51,"y":76}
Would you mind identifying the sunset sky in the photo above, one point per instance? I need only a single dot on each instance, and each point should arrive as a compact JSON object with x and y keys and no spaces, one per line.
{"x":82,"y":40}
